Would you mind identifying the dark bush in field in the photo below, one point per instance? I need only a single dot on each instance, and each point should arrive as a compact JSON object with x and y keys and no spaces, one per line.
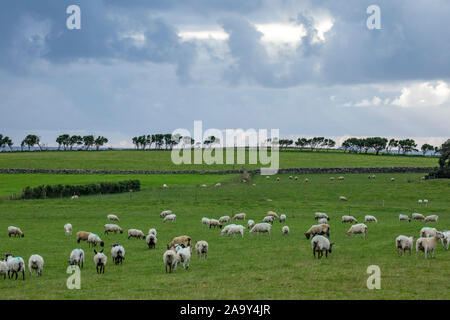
{"x":48,"y":191}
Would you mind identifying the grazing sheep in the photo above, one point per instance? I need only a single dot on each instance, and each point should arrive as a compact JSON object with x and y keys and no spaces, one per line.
{"x":202,"y":249}
{"x":320,"y":244}
{"x":285,"y":230}
{"x":165,"y":213}
{"x":82,"y":235}
{"x":74,"y":197}
{"x":15,"y":231}
{"x":357,"y":228}
{"x":306,"y":180}
{"x":100,"y":260}
{"x":282,"y":218}
{"x":373,"y":176}
{"x":250,"y":224}
{"x":224,"y":219}
{"x":341,"y":178}
{"x":321,"y":215}
{"x":272,"y":214}
{"x":226,"y":228}
{"x":170,"y":259}
{"x":419,"y":202}
{"x":342,"y":198}
{"x":261,"y":228}
{"x":404,"y":217}
{"x":291,"y":177}
{"x":170,"y":217}
{"x":94,"y":239}
{"x":446,"y":239}
{"x":239,"y":216}
{"x":36,"y":262}
{"x":268,"y":219}
{"x":135,"y":233}
{"x":3,"y":269}
{"x":215,"y":223}
{"x":428,"y":244}
{"x":151,"y":241}
{"x":322,"y":221}
{"x":68,"y":229}
{"x":112,"y":228}
{"x":117,"y":253}
{"x":267,"y":177}
{"x":184,"y":256}
{"x":392,"y":179}
{"x":403,"y":243}
{"x":318,"y":229}
{"x":152,"y":231}
{"x":370,"y":219}
{"x":165,"y":186}
{"x":77,"y":257}
{"x":184,"y":241}
{"x":217,"y":184}
{"x":418,"y":216}
{"x":15,"y":265}
{"x":432,"y":218}
{"x":295,"y":178}
{"x":278,"y":178}
{"x":205,"y":221}
{"x":349,"y":219}
{"x":235,"y":229}
{"x":427,"y":232}
{"x":425,"y":201}
{"x":332,"y":178}
{"x":112,"y":217}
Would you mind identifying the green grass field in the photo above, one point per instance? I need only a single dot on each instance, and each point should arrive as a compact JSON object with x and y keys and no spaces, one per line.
{"x":254,"y":267}
{"x":161,"y":160}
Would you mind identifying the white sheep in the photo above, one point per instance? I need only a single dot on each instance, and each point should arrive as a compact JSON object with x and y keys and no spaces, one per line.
{"x":74,"y":197}
{"x":342,"y":198}
{"x":77,"y":257}
{"x":170,"y":217}
{"x":170,"y":259}
{"x":36,"y":262}
{"x":117,"y":253}
{"x":205,"y":221}
{"x":151,"y":241}
{"x":320,"y":229}
{"x":428,"y":244}
{"x":392,"y":179}
{"x":3,"y":269}
{"x":403,"y":243}
{"x":427,"y":232}
{"x":94,"y":239}
{"x":184,"y":256}
{"x":239,"y":216}
{"x":306,"y":180}
{"x":320,"y":244}
{"x":419,"y":201}
{"x":432,"y":218}
{"x":152,"y":231}
{"x":165,"y":186}
{"x":226,"y":228}
{"x":165,"y":213}
{"x":202,"y":249}
{"x":204,"y":186}
{"x":370,"y":219}
{"x":332,"y":178}
{"x":224,"y":219}
{"x":261,"y":228}
{"x":250,"y":224}
{"x":235,"y":229}
{"x":285,"y":230}
{"x":418,"y":216}
{"x":217,"y":184}
{"x":112,"y":228}
{"x":268,"y":219}
{"x":321,"y":215}
{"x":357,"y":228}
{"x":68,"y":229}
{"x":135,"y":233}
{"x":100,"y":260}
{"x":425,"y":201}
{"x":404,"y":217}
{"x":341,"y":178}
{"x":349,"y":219}
{"x":15,"y":265}
{"x":215,"y":223}
{"x":446,"y":239}
{"x":15,"y":231}
{"x":322,"y":221}
{"x":282,"y":218}
{"x":113,"y":217}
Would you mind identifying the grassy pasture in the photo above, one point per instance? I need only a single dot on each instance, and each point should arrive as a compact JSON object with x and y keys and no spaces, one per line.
{"x":254,"y":267}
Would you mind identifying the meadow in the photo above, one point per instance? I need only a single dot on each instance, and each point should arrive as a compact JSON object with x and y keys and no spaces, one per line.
{"x":253,"y":267}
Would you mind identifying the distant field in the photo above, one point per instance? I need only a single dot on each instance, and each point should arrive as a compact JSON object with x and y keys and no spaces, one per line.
{"x":254,"y":267}
{"x":161,"y":160}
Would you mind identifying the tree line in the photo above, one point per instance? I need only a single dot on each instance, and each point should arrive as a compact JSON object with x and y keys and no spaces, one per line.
{"x":379,"y":144}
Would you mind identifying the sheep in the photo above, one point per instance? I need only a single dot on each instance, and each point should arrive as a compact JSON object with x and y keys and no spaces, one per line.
{"x":295,"y":178}
{"x":291,"y":177}
{"x":320,"y":229}
{"x":320,"y":244}
{"x":227,"y":227}
{"x":332,"y":178}
{"x":77,"y":257}
{"x":419,"y":202}
{"x":184,"y":255}
{"x":272,"y":214}
{"x":350,"y":219}
{"x":74,"y":197}
{"x":135,"y":233}
{"x":82,"y":235}
{"x":370,"y":219}
{"x":15,"y":265}
{"x":202,"y":249}
{"x":320,"y":215}
{"x":113,"y":217}
{"x":425,"y":201}
{"x":112,"y":228}
{"x":404,"y":217}
{"x":261,"y":228}
{"x":205,"y":221}
{"x":204,"y":186}
{"x":170,"y":259}
{"x":341,"y":178}
{"x":322,"y":221}
{"x":165,"y":213}
{"x":267,"y":177}
{"x":428,"y":244}
{"x":224,"y":219}
{"x":152,"y":231}
{"x":184,"y":241}
{"x":282,"y":218}
{"x":151,"y":241}
{"x":94,"y":239}
{"x":392,"y":179}
{"x":278,"y":178}
{"x":250,"y":224}
{"x":36,"y":262}
{"x":100,"y":260}
{"x":15,"y":231}
{"x":357,"y":228}
{"x":446,"y":239}
{"x":235,"y":229}
{"x":427,"y":232}
{"x":239,"y":216}
{"x":342,"y":198}
{"x":373,"y":176}
{"x":404,"y":243}
{"x":218,"y":184}
{"x":418,"y":216}
{"x":268,"y":219}
{"x":68,"y":229}
{"x":117,"y":253}
{"x":165,"y":186}
{"x":306,"y":180}
{"x":215,"y":223}
{"x":432,"y":218}
{"x":285,"y":230}
{"x":170,"y":217}
{"x":3,"y":269}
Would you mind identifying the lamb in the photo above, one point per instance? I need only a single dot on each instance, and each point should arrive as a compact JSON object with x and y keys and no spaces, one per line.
{"x":250,"y":224}
{"x":370,"y":219}
{"x":112,"y":228}
{"x":202,"y":249}
{"x":418,"y":216}
{"x":342,"y":198}
{"x":15,"y":265}
{"x":268,"y":219}
{"x":432,"y":218}
{"x":117,"y":253}
{"x":320,"y":215}
{"x":100,"y":260}
{"x":322,"y":221}
{"x":170,"y":217}
{"x":205,"y":221}
{"x":357,"y":228}
{"x":165,"y":213}
{"x":151,"y":241}
{"x":350,"y":219}
{"x":68,"y":229}
{"x":170,"y":259}
{"x":282,"y":218}
{"x":3,"y":268}
{"x":428,"y":244}
{"x":404,"y":217}
{"x":184,"y":255}
{"x":272,"y":214}
{"x":318,"y":229}
{"x":446,"y":239}
{"x":215,"y":223}
{"x":94,"y":239}
{"x":285,"y":230}
{"x":152,"y":231}
{"x":320,"y":244}
{"x":427,"y":232}
{"x":36,"y":262}
{"x":239,"y":216}
{"x":404,"y":243}
{"x":15,"y":231}
{"x":181,"y":240}
{"x":112,"y":217}
{"x":224,"y":219}
{"x":77,"y":257}
{"x":261,"y":228}
{"x":135,"y":233}
{"x":235,"y":229}
{"x":82,"y":235}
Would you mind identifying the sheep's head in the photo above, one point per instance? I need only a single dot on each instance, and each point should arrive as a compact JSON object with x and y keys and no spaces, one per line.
{"x":307,"y":235}
{"x":440,"y":235}
{"x":102,"y":244}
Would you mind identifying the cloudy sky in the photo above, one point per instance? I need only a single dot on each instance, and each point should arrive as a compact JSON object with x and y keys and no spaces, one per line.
{"x":304,"y":67}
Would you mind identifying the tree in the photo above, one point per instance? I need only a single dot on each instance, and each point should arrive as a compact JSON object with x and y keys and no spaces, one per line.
{"x":30,"y":141}
{"x":88,"y":141}
{"x":284,"y":143}
{"x":315,"y":142}
{"x":377,"y":143}
{"x":5,"y":142}
{"x":301,"y":142}
{"x":63,"y":140}
{"x":444,"y":162}
{"x":75,"y":140}
{"x":100,"y":142}
{"x":329,"y":143}
{"x":392,"y":144}
{"x":407,"y":145}
{"x":211,"y":140}
{"x":426,"y":147}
